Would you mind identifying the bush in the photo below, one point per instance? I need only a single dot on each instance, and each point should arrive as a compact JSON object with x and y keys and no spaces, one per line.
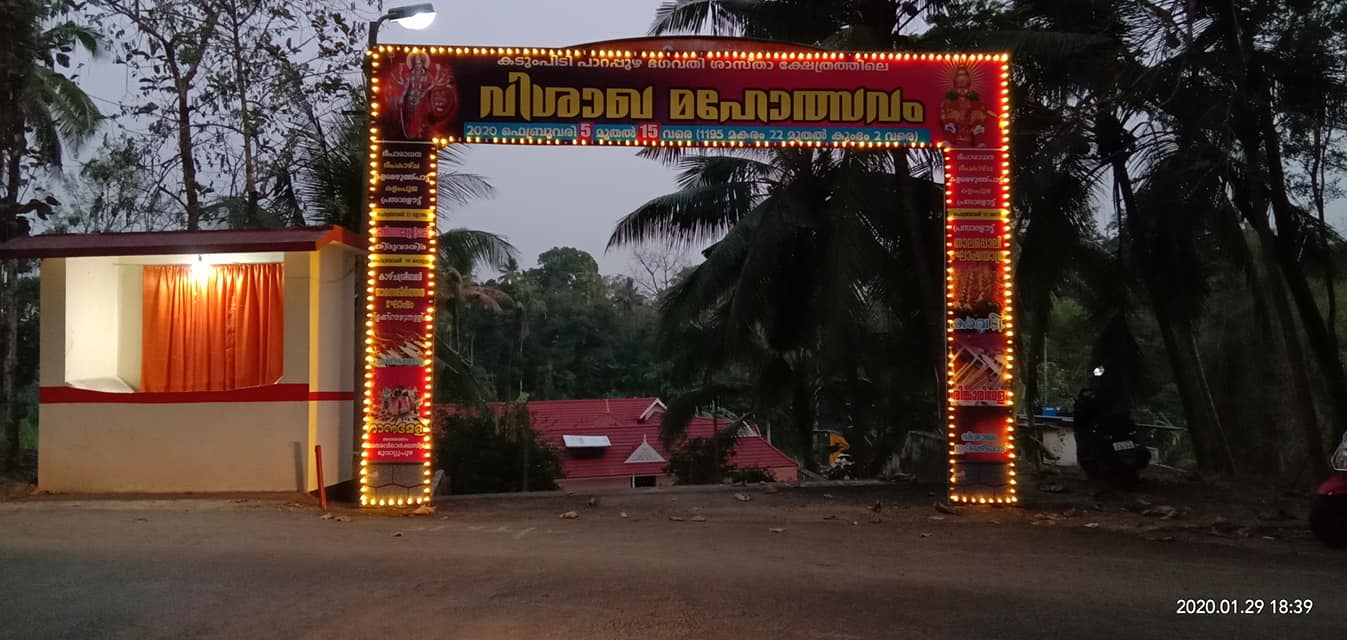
{"x":751,"y":475}
{"x":485,"y":453}
{"x":701,"y":461}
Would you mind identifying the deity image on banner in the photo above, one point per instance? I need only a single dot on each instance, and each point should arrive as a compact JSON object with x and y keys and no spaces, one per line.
{"x":425,"y":97}
{"x":980,"y":365}
{"x":963,"y":114}
{"x":977,"y":291}
{"x":398,"y":400}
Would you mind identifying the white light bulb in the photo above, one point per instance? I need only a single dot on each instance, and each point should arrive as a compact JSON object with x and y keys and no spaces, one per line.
{"x":416,"y":22}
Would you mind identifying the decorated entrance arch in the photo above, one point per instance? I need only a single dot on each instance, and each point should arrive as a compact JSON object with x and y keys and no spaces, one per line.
{"x":693,"y":92}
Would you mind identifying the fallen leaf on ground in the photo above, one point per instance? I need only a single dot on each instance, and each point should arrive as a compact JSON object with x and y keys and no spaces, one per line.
{"x":594,"y":502}
{"x":397,"y":534}
{"x":343,"y":518}
{"x":623,"y":514}
{"x":944,"y":508}
{"x":935,"y":518}
{"x":424,"y":510}
{"x":699,"y":518}
{"x":1091,"y":525}
{"x":570,"y":515}
{"x":676,"y":518}
{"x":328,"y":516}
{"x":777,"y":530}
{"x":830,"y":517}
{"x":742,"y":497}
{"x":1164,"y":512}
{"x":925,"y":535}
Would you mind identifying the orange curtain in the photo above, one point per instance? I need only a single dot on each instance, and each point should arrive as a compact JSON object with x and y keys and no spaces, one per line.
{"x":214,"y":333}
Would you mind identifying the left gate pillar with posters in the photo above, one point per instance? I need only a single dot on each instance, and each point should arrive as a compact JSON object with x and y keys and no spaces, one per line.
{"x":399,"y":355}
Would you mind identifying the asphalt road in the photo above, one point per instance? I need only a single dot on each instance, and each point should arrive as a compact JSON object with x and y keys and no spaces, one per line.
{"x":513,"y":569}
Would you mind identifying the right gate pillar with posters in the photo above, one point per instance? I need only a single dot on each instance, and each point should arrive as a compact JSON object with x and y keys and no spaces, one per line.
{"x":979,"y":291}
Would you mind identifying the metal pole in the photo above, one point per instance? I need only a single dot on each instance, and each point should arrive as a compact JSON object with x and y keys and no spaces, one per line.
{"x":358,"y":281}
{"x":322,"y":486}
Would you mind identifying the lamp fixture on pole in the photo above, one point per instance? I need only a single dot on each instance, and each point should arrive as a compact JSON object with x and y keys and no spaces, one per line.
{"x":412,"y":16}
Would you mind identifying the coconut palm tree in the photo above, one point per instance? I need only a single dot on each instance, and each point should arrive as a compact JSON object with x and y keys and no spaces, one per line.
{"x":808,"y":249}
{"x":331,"y":186}
{"x":44,"y":110}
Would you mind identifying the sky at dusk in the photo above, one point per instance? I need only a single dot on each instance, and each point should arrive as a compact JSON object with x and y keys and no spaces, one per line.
{"x":546,"y":197}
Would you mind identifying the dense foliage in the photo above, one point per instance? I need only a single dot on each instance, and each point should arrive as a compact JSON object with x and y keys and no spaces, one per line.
{"x":483,"y":452}
{"x":568,"y":333}
{"x":1171,"y":164}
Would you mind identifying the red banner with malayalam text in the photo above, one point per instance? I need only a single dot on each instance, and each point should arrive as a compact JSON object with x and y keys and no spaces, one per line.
{"x":695,"y":98}
{"x":769,"y":98}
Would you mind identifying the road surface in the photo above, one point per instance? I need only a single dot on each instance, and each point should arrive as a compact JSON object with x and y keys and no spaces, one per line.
{"x":488,"y":569}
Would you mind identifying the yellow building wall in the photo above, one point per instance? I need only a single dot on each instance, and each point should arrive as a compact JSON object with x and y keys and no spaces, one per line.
{"x":167,"y":448}
{"x":206,"y":447}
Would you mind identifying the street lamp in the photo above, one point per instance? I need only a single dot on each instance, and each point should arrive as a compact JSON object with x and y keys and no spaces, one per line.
{"x":412,"y":16}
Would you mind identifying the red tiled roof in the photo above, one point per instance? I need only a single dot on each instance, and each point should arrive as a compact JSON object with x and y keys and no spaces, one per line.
{"x":70,"y":245}
{"x":619,"y":420}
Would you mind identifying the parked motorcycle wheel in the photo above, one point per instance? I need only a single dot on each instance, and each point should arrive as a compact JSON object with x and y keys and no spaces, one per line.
{"x":1328,"y":520}
{"x":1108,"y":476}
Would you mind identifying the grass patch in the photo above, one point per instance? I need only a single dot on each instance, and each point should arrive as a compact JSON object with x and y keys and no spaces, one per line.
{"x":28,"y":434}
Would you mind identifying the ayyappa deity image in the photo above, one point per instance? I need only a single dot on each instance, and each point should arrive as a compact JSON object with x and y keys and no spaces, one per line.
{"x":963,"y":114}
{"x":426,"y":98}
{"x":399,"y":405}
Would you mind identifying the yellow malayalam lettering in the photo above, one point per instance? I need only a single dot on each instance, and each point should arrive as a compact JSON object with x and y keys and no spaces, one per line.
{"x":777,"y":105}
{"x":524,"y":99}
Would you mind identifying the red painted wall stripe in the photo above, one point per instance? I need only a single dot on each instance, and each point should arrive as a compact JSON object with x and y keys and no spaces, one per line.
{"x":270,"y":393}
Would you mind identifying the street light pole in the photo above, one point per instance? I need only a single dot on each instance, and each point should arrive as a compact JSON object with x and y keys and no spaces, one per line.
{"x":412,"y":16}
{"x":416,"y":16}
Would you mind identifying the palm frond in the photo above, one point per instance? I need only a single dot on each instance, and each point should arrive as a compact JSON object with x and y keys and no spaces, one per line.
{"x":464,"y":249}
{"x":716,"y":192}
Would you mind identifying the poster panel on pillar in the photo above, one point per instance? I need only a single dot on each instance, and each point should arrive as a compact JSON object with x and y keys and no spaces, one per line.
{"x":976,"y":183}
{"x":977,"y":280}
{"x":398,"y":426}
{"x":402,"y":307}
{"x":396,"y":237}
{"x":982,"y":451}
{"x":979,"y":370}
{"x":697,"y":100}
{"x":402,"y":176}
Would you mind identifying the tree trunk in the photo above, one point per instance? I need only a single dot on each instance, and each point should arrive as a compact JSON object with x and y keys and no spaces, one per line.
{"x":9,"y":293}
{"x":9,"y":362}
{"x":1204,"y":424}
{"x":802,"y":412}
{"x":187,"y":155}
{"x":1037,"y":337}
{"x":252,"y":198}
{"x":1253,"y":123}
{"x":932,"y":296}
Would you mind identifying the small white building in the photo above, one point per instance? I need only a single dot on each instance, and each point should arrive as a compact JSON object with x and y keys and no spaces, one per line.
{"x":205,"y":361}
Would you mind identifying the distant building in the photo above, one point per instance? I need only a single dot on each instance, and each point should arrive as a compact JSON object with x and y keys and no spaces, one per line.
{"x":614,"y":443}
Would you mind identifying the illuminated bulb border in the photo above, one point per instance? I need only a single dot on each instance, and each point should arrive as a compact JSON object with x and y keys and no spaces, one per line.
{"x":1007,"y":298}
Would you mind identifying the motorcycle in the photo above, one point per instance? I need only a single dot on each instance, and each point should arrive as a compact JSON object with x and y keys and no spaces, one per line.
{"x":1328,"y":513}
{"x":1109,"y":449}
